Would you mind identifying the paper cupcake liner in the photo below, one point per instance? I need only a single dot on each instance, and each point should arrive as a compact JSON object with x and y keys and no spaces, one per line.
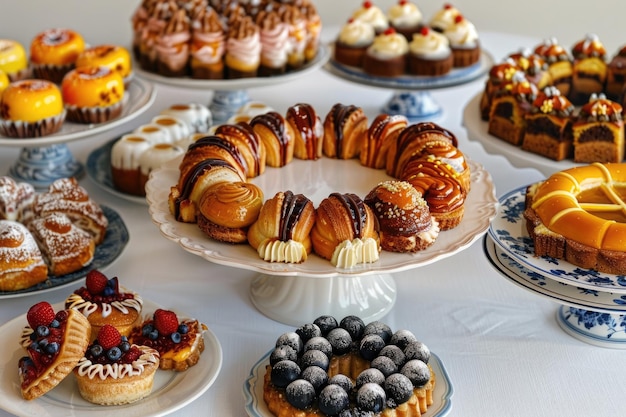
{"x":22,"y":129}
{"x":54,"y":73}
{"x":94,"y":115}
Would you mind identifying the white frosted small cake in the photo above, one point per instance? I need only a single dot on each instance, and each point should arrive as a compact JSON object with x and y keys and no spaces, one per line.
{"x":125,"y":155}
{"x":154,"y":133}
{"x":176,"y":127}
{"x":197,"y":116}
{"x":154,"y":157}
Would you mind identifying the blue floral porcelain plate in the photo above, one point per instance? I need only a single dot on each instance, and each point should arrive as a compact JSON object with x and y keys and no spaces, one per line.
{"x":256,"y":407}
{"x":108,"y":251}
{"x":573,"y":296}
{"x":508,"y":231}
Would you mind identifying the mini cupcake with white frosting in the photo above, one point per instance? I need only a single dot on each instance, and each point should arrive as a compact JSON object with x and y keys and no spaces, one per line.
{"x":353,"y":40}
{"x":387,"y":55}
{"x":371,"y":14}
{"x":429,"y":54}
{"x":464,"y":42}
{"x":444,"y":18}
{"x":405,"y":17}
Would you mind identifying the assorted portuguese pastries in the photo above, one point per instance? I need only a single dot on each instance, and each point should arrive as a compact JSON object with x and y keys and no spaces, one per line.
{"x":212,"y":39}
{"x":559,"y":103}
{"x":347,"y":367}
{"x":431,"y":179}
{"x":577,"y":215}
{"x":51,"y":233}
{"x":401,"y":41}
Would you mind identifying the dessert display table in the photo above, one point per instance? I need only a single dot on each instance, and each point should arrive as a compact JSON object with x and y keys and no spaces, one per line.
{"x":503,"y":351}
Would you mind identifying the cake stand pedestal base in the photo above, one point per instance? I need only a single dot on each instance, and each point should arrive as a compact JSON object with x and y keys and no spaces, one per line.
{"x":596,"y":328}
{"x":41,"y":166}
{"x":417,"y":106}
{"x":296,"y":300}
{"x":225,"y":103}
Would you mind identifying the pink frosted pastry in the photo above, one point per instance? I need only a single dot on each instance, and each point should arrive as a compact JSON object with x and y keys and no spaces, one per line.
{"x":208,"y":46}
{"x":173,"y":46}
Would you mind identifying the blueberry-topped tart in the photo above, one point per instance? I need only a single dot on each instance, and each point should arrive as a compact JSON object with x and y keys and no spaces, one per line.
{"x":55,"y":342}
{"x":178,"y":341}
{"x":114,"y":371}
{"x":347,"y":368}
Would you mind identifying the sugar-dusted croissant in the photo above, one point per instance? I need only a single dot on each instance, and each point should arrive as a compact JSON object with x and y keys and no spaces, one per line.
{"x":282,"y":230}
{"x":345,"y":231}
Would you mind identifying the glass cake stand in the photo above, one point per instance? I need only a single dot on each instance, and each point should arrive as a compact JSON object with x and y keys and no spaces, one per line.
{"x":413,"y":97}
{"x":43,"y":160}
{"x":230,"y":95}
{"x":592,"y":304}
{"x":293,"y":293}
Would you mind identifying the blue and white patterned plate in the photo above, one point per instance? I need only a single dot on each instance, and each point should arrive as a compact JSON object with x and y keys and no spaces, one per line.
{"x":573,"y":296}
{"x":508,"y":231}
{"x":108,"y":251}
{"x":256,"y":407}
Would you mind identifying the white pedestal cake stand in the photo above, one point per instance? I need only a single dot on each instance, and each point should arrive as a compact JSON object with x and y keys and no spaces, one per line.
{"x":293,"y":293}
{"x":230,"y":95}
{"x":592,"y":304}
{"x":413,"y":97}
{"x":45,"y":159}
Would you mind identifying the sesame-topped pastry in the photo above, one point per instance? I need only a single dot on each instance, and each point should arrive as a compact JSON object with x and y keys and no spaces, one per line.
{"x":115,"y":372}
{"x":353,"y":40}
{"x":345,"y":130}
{"x":55,"y":343}
{"x":386,"y":57}
{"x":21,"y":262}
{"x":66,"y":196}
{"x":373,"y":15}
{"x":345,"y":231}
{"x":464,"y":42}
{"x":589,"y":69}
{"x":549,"y":125}
{"x":275,"y":45}
{"x":429,"y":53}
{"x":559,"y":64}
{"x":282,"y":230}
{"x":404,"y":217}
{"x":405,"y":17}
{"x":598,"y":131}
{"x":172,"y":46}
{"x":243,"y":49}
{"x":509,"y":106}
{"x":179,"y":341}
{"x":381,"y":135}
{"x":16,"y":199}
{"x":65,"y":247}
{"x":444,"y":18}
{"x":307,"y":130}
{"x":208,"y":46}
{"x":103,"y":301}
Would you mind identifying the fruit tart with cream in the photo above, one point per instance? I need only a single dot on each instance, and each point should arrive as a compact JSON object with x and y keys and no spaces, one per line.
{"x":103,"y":301}
{"x":179,"y":342}
{"x":55,"y":342}
{"x":114,"y":371}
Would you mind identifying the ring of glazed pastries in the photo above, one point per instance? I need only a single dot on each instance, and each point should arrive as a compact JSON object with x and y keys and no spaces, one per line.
{"x":578,"y":215}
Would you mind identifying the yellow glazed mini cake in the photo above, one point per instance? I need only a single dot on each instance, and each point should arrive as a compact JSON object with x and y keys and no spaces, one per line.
{"x":53,"y":53}
{"x":115,"y":57}
{"x":103,"y":301}
{"x":13,"y":59}
{"x":93,"y":94}
{"x":4,"y":81}
{"x":114,"y":372}
{"x":31,"y":108}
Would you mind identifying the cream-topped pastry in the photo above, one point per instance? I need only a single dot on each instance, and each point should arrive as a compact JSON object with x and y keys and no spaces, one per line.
{"x":356,"y":33}
{"x":103,"y":301}
{"x":462,"y":33}
{"x":115,"y":372}
{"x":373,"y":15}
{"x":178,"y":129}
{"x":405,"y":17}
{"x":444,"y":17}
{"x":197,"y":116}
{"x":154,"y":133}
{"x":274,"y":34}
{"x":350,"y":253}
{"x":388,"y":45}
{"x":430,"y":44}
{"x":278,"y":251}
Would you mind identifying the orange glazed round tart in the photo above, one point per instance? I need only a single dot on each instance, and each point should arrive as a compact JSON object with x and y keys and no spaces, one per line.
{"x":331,"y":368}
{"x":55,"y":342}
{"x":53,"y":53}
{"x":115,"y":57}
{"x":578,"y":215}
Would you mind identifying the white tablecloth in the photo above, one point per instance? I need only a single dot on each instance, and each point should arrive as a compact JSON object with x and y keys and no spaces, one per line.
{"x":501,"y":345}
